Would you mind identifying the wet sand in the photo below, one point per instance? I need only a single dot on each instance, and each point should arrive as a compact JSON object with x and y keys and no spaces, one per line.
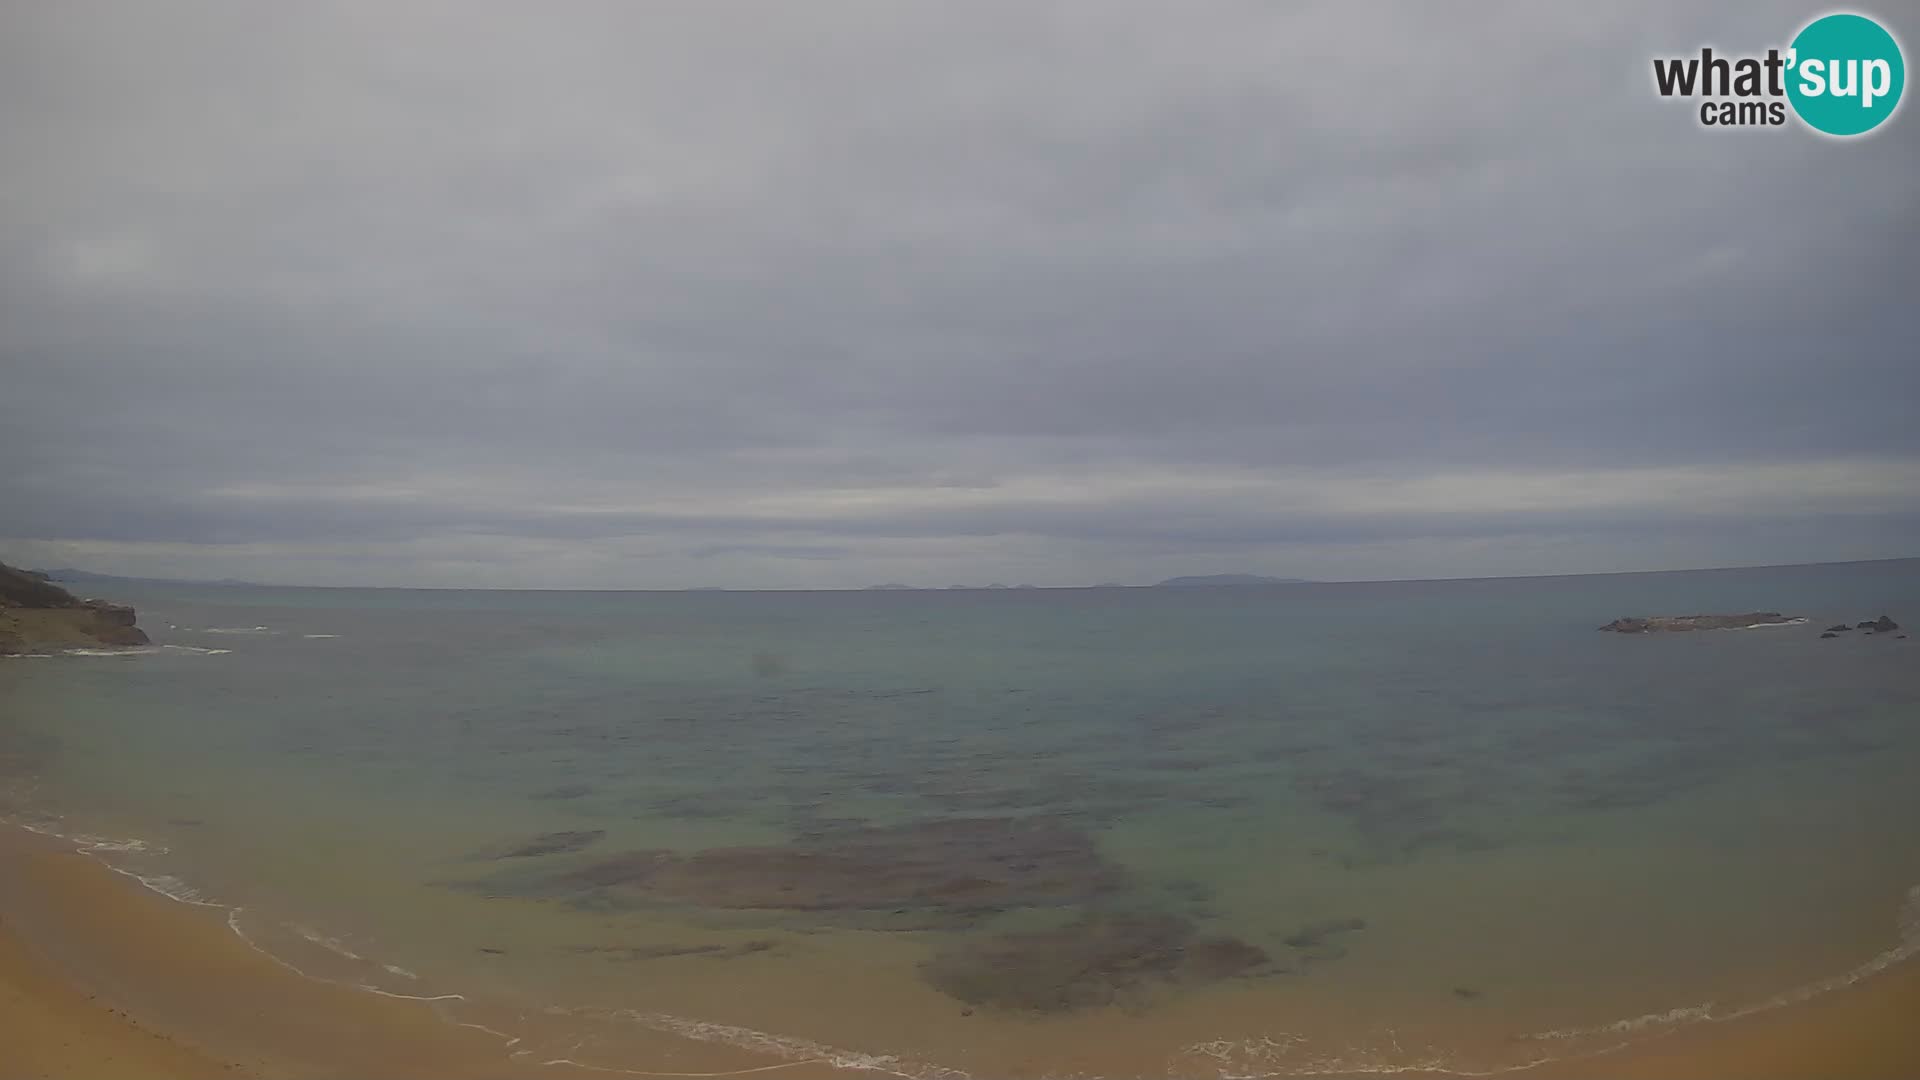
{"x":99,"y":977}
{"x":50,"y":1028}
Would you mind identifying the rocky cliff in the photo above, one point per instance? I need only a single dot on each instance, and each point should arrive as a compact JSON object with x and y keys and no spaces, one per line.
{"x":37,"y":614}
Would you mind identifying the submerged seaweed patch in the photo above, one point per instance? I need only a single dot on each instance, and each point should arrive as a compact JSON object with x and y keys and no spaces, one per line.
{"x":633,"y":953}
{"x":972,"y":865}
{"x":553,"y":843}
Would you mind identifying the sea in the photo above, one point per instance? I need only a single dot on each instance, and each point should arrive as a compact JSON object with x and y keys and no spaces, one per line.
{"x":1271,"y":831}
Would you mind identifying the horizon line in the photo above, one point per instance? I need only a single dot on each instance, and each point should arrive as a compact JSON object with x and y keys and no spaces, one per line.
{"x":890,"y":587}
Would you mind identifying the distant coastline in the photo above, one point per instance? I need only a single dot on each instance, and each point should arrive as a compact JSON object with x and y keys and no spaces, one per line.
{"x":67,"y":575}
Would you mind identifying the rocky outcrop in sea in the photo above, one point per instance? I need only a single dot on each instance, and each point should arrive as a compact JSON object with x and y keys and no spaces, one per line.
{"x":1649,"y":624}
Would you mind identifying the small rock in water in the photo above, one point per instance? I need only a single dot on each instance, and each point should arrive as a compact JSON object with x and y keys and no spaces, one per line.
{"x":1839,"y":629}
{"x":1467,"y":993}
{"x":1829,"y":634}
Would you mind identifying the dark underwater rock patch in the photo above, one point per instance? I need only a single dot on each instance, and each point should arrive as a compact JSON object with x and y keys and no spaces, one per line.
{"x":553,"y":843}
{"x":965,"y":865}
{"x":1378,"y":804}
{"x":697,"y":805}
{"x":1097,"y":959}
{"x":633,"y":953}
{"x":1214,"y":958}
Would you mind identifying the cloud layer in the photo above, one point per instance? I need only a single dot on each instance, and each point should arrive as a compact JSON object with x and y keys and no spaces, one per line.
{"x":684,"y":294}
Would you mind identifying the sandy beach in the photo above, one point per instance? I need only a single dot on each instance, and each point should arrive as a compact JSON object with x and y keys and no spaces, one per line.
{"x":99,"y":977}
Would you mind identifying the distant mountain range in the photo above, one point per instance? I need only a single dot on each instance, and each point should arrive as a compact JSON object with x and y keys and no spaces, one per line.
{"x":81,"y":577}
{"x":1203,"y":580}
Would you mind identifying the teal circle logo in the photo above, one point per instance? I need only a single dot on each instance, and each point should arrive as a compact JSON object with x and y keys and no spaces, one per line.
{"x":1845,"y":74}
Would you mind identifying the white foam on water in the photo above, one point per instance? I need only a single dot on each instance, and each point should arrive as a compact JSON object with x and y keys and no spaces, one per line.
{"x":796,"y":1051}
{"x":371,"y":989}
{"x":138,"y":650}
{"x":511,"y":1040}
{"x":1286,"y":1054}
{"x":172,"y":888}
{"x":97,"y":847}
{"x":395,"y":969}
{"x":1683,"y":1014}
{"x":147,"y":650}
{"x":236,"y":630}
{"x":316,"y":637}
{"x":135,"y":650}
{"x":332,"y":945}
{"x":93,"y":845}
{"x":26,"y":656}
{"x":233,"y":924}
{"x":571,"y":1063}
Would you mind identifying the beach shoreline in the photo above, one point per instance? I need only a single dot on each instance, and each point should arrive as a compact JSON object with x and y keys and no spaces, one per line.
{"x":100,"y":976}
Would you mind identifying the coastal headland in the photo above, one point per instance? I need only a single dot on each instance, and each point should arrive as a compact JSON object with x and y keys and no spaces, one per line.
{"x":37,"y":614}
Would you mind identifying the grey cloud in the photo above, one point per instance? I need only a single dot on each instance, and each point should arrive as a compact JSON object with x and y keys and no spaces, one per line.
{"x":398,"y":263}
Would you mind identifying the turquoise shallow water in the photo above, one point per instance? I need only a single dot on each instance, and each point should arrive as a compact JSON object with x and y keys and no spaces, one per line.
{"x":1269,"y":831}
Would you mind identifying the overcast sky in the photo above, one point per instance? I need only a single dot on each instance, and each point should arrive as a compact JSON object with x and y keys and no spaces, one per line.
{"x":826,"y":294}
